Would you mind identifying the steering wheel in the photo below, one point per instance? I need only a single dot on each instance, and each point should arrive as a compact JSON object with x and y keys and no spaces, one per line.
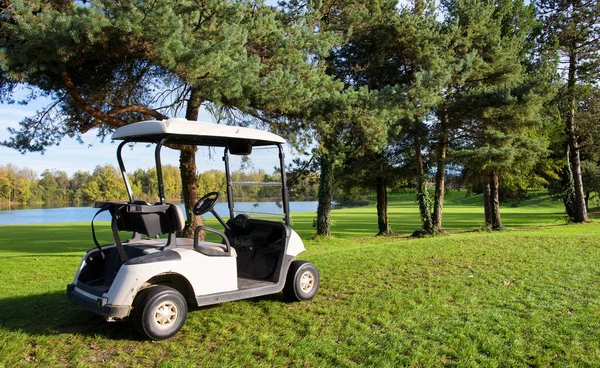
{"x":206,"y":203}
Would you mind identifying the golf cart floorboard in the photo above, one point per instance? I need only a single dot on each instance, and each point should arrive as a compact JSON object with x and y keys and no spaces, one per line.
{"x":246,"y":283}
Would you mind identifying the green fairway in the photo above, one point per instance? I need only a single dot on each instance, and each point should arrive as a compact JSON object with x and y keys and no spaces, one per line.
{"x":527,"y":296}
{"x":461,"y":213}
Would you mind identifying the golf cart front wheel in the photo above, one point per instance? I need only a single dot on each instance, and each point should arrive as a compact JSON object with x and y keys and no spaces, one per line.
{"x":159,"y":312}
{"x":302,"y":281}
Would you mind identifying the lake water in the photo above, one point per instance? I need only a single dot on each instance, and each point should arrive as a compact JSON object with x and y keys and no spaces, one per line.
{"x":86,"y":213}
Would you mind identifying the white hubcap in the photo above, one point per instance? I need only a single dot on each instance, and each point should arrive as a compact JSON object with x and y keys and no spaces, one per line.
{"x":165,"y":315}
{"x":307,"y":281}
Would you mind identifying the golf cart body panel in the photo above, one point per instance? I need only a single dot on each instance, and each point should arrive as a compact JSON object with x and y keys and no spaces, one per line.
{"x":254,"y":258}
{"x":295,"y":244}
{"x":195,"y":267}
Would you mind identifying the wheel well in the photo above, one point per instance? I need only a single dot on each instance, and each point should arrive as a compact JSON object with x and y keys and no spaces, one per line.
{"x":177,"y":282}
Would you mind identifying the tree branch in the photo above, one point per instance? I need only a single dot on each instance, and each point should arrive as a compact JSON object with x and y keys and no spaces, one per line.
{"x":97,"y":114}
{"x":137,"y":108}
{"x":100,"y":116}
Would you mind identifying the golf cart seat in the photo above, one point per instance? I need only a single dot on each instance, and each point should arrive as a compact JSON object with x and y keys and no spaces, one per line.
{"x":205,"y":247}
{"x":158,"y":219}
{"x":142,"y":218}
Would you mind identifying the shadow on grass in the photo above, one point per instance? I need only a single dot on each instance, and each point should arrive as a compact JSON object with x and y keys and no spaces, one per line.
{"x":52,"y":314}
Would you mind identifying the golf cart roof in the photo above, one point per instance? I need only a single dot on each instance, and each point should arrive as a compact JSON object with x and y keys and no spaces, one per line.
{"x":184,"y":131}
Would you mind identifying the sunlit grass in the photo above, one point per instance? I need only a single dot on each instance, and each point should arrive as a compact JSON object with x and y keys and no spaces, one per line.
{"x":527,"y":296}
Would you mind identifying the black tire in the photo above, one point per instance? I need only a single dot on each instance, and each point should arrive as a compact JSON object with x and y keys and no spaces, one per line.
{"x":302,"y":282}
{"x":159,"y":312}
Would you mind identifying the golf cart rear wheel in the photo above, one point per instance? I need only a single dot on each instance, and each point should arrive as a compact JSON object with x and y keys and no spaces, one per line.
{"x":302,"y":281}
{"x":159,"y":312}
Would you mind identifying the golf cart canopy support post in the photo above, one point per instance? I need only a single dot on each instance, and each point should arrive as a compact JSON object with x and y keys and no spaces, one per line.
{"x":228,"y":181}
{"x":123,"y":172}
{"x":161,"y":184}
{"x":284,"y":192}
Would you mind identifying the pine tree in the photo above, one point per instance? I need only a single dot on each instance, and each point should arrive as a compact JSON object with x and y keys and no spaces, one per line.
{"x":390,"y":53}
{"x":573,"y":26}
{"x":106,"y":64}
{"x":352,"y":123}
{"x":495,"y":109}
{"x":361,"y":63}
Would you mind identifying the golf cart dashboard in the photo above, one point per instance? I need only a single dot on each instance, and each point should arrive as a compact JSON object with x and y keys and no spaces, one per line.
{"x":262,"y":232}
{"x":240,"y":223}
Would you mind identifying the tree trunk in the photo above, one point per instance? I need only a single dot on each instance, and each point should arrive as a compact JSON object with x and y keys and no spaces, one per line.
{"x":189,"y":185}
{"x":325,"y":196}
{"x":568,"y":191}
{"x":422,"y":192}
{"x":187,"y":169}
{"x":580,"y":214}
{"x":487,"y":206}
{"x":440,"y":175}
{"x":495,"y":203}
{"x":382,"y":207}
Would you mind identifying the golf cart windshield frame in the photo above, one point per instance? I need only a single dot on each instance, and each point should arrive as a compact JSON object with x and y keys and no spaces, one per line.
{"x":161,"y":187}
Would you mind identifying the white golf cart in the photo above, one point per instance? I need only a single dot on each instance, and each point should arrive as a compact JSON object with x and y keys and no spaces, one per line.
{"x":151,"y":280}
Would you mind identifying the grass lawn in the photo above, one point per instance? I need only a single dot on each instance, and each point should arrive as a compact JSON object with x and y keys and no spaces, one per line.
{"x":527,"y":296}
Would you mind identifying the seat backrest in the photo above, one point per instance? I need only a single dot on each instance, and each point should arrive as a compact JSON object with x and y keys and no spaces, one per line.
{"x":150,"y":220}
{"x":177,"y":218}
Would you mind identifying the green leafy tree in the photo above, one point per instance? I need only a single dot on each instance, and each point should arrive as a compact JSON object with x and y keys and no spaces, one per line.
{"x":5,"y":188}
{"x":212,"y":181}
{"x":76,"y":182}
{"x":498,"y":107}
{"x":104,"y":185}
{"x":356,"y":122}
{"x":48,"y":186}
{"x":6,"y":183}
{"x":573,"y":27}
{"x":144,"y":184}
{"x":91,"y":191}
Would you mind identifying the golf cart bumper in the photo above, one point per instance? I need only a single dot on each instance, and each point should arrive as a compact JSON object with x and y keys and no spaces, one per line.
{"x":97,"y":304}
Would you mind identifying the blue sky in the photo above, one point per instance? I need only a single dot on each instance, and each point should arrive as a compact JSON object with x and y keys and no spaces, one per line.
{"x":71,"y":156}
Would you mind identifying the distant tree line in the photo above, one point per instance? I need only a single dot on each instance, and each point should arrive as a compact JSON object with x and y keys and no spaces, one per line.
{"x":24,"y":186}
